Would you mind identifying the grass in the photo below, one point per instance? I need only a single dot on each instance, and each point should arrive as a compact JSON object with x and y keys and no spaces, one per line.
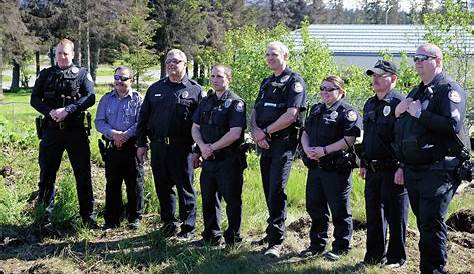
{"x":123,"y":251}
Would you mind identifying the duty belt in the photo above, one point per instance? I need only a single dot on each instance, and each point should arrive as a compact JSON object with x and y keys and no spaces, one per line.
{"x":382,"y":165}
{"x":172,"y":140}
{"x":438,"y":165}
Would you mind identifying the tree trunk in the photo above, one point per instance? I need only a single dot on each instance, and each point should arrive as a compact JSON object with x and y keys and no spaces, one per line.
{"x":95,"y":55}
{"x":51,"y":56}
{"x":162,"y":66}
{"x":15,"y":76}
{"x":78,"y":50}
{"x":86,"y":50}
{"x":137,"y":76}
{"x":37,"y":62}
{"x":1,"y":72}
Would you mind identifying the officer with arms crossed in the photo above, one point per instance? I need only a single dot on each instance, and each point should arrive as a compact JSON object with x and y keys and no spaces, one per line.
{"x":218,"y":130}
{"x":386,"y":198}
{"x":274,"y":123}
{"x":166,"y":119}
{"x":62,"y":93}
{"x":116,"y":119}
{"x":430,"y":134}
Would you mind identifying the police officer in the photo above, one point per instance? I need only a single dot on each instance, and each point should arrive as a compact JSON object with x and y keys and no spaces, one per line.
{"x":166,"y":119}
{"x":429,"y":136}
{"x":386,"y":199}
{"x":116,"y":119}
{"x":218,"y":130}
{"x":330,"y":132}
{"x":274,"y":122}
{"x":62,"y":93}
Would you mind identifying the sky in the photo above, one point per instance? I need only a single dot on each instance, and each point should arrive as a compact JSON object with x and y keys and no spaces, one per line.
{"x":352,"y":4}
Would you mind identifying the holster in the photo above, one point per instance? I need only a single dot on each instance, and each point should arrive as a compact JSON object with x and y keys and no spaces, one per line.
{"x":87,"y":120}
{"x":39,"y":122}
{"x":102,"y":149}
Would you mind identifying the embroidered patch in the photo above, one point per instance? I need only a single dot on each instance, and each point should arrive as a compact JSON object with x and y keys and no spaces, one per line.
{"x":298,"y":87}
{"x":284,"y":78}
{"x":454,"y":96}
{"x":227,"y":103}
{"x":351,"y":116}
{"x":185,"y":94}
{"x":239,"y":107}
{"x":386,"y":111}
{"x":74,"y":70}
{"x":334,"y":115}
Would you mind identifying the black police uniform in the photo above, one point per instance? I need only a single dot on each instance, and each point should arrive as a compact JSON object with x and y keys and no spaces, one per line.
{"x":329,"y":179}
{"x":166,"y":119}
{"x":385,"y":201}
{"x":73,"y":89}
{"x":222,"y":174}
{"x":276,"y":95}
{"x":428,"y":147}
{"x":121,"y":163}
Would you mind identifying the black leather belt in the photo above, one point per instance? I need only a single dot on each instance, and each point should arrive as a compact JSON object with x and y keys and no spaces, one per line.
{"x":172,"y":140}
{"x":382,"y":165}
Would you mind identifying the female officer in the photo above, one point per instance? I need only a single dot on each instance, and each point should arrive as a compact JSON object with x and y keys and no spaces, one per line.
{"x":330,"y":130}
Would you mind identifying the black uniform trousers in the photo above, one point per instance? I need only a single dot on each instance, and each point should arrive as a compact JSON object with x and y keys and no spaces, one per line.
{"x":222,"y":178}
{"x":329,"y":189}
{"x":172,"y":167}
{"x":51,"y":148}
{"x":430,"y":192}
{"x":275,"y":166}
{"x":122,"y":165}
{"x":386,"y":203}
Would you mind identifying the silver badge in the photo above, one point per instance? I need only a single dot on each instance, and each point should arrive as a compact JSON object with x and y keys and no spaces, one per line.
{"x":227,"y":103}
{"x":74,"y":70}
{"x":239,"y":107}
{"x":351,"y":116}
{"x":284,"y":78}
{"x":454,"y":96}
{"x":386,"y":110}
{"x":185,"y":94}
{"x":334,"y":115}
{"x":298,"y":87}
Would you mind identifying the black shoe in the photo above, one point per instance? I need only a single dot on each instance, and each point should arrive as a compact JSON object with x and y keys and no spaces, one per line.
{"x":335,"y":255}
{"x":394,"y":264}
{"x":169,"y":229}
{"x":273,"y":251}
{"x":185,"y":235}
{"x":90,"y":223}
{"x":262,"y":241}
{"x":135,"y":225}
{"x":311,"y":252}
{"x":216,"y":242}
{"x":110,"y":226}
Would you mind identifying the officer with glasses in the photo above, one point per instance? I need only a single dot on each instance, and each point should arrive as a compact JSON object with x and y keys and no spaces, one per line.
{"x":327,"y":140}
{"x":165,"y":120}
{"x":430,"y":134}
{"x":386,"y":198}
{"x":116,"y":119}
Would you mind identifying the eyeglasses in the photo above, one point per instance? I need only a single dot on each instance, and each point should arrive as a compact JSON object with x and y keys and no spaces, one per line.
{"x":422,"y":57}
{"x":328,"y":89}
{"x":173,"y":61}
{"x":121,"y":78}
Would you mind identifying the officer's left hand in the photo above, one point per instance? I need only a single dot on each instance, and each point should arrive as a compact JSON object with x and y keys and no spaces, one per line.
{"x":263,"y":144}
{"x":398,"y":178}
{"x":318,"y":152}
{"x":258,"y":135}
{"x":414,"y":107}
{"x":59,"y":114}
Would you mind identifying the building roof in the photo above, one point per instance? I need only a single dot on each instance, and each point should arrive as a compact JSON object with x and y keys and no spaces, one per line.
{"x":370,"y":40}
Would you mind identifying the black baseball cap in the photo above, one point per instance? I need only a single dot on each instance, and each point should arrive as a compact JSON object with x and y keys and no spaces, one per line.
{"x":383,"y":67}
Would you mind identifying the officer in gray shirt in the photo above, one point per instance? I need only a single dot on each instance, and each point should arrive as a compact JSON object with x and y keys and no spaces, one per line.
{"x":116,"y":119}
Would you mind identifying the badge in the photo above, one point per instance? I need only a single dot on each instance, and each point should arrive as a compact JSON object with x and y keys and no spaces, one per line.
{"x":298,"y":87}
{"x":184,"y":94}
{"x":74,"y":70}
{"x":89,"y":77}
{"x":351,"y":116}
{"x":334,"y":115}
{"x":284,"y":78}
{"x":239,"y":107}
{"x":454,"y":96}
{"x":386,"y":111}
{"x":227,"y":103}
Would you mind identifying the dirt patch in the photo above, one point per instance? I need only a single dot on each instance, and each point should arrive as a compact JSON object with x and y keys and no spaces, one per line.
{"x":462,"y":238}
{"x":463,"y":221}
{"x":301,"y":226}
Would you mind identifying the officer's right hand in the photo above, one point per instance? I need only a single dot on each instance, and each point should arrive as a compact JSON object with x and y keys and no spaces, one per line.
{"x":362,"y":172}
{"x":399,"y":178}
{"x":258,"y":135}
{"x":141,"y":154}
{"x":402,"y":106}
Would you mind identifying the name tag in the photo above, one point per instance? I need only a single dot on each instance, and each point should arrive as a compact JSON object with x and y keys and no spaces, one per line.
{"x":270,"y":105}
{"x":158,"y":94}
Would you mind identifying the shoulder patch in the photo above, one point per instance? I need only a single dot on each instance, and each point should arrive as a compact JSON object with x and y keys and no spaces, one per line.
{"x":239,"y":107}
{"x":89,"y":77}
{"x":351,"y":116}
{"x":298,"y":87}
{"x":454,"y":96}
{"x":386,"y":110}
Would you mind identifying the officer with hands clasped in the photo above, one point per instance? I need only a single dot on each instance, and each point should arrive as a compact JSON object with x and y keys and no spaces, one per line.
{"x":274,"y":122}
{"x":62,"y":93}
{"x":166,"y":119}
{"x":329,"y":134}
{"x":218,"y":130}
{"x":386,"y":198}
{"x":430,"y":136}
{"x":116,"y":119}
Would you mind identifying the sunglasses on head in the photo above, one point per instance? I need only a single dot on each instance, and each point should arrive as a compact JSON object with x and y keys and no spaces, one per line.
{"x":328,"y":89}
{"x":382,"y":63}
{"x":121,"y":78}
{"x":422,"y":57}
{"x":173,"y":61}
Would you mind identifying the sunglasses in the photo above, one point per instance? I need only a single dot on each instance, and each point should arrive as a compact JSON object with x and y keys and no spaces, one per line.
{"x":422,"y":57}
{"x":328,"y":89}
{"x":121,"y":78}
{"x":173,"y":61}
{"x":382,"y":63}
